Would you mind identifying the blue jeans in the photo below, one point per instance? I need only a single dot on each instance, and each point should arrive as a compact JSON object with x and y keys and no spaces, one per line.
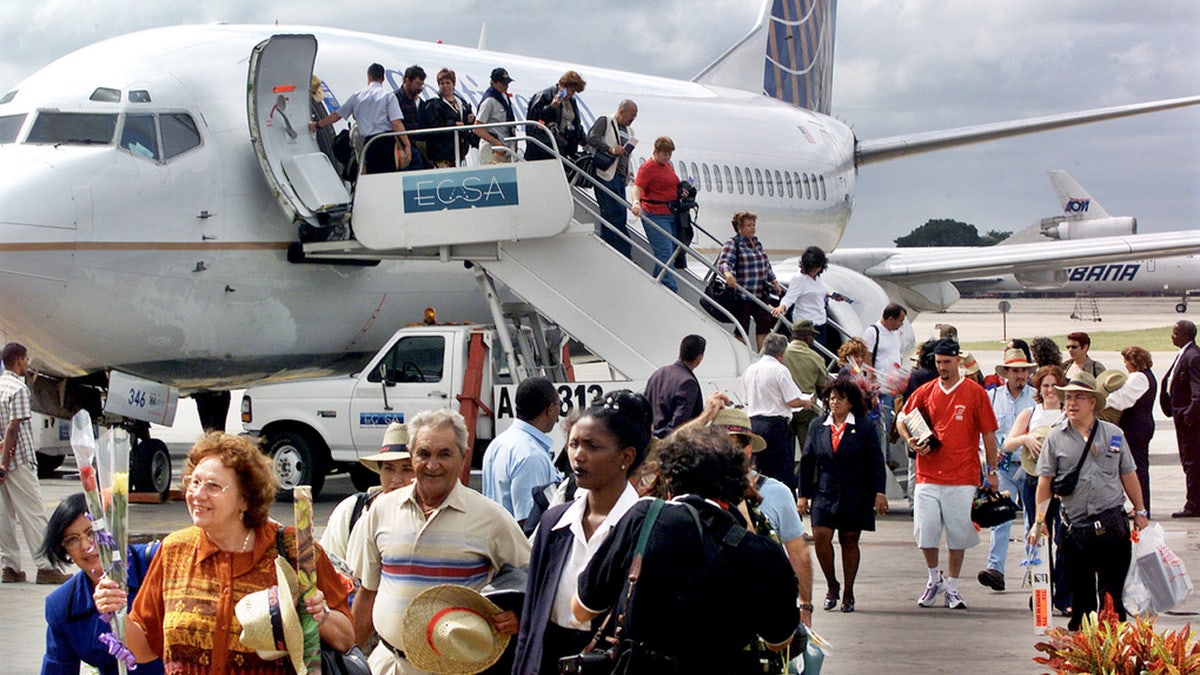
{"x":1012,"y":478}
{"x":613,"y":212}
{"x":662,"y":246}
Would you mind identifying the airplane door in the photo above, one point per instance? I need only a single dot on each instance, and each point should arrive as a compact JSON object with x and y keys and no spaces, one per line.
{"x":416,"y":376}
{"x":301,"y":176}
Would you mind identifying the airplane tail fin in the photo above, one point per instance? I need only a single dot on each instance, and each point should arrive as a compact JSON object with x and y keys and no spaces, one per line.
{"x":792,"y":46}
{"x":1076,"y":203}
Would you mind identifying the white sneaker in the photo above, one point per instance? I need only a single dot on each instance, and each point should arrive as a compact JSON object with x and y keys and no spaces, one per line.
{"x":932,"y":590}
{"x":954,"y":600}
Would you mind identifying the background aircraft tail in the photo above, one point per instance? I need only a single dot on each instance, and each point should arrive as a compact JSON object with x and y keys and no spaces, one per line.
{"x":1076,"y":202}
{"x":791,"y":46}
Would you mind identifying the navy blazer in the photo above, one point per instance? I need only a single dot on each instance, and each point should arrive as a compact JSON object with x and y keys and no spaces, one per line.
{"x":73,"y":625}
{"x":1182,"y":399}
{"x":849,"y":478}
{"x":550,"y":551}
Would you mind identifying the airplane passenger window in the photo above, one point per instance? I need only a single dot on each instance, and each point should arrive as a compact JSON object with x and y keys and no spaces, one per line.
{"x":821,"y":179}
{"x":728,"y":178}
{"x":695,"y":173}
{"x":770,"y":185}
{"x":749,"y":181}
{"x":758,"y":180}
{"x":708,"y":179}
{"x":807,"y":188}
{"x":179,"y":134}
{"x":778,"y":183}
{"x":140,"y":137}
{"x":56,"y":127}
{"x":413,"y":359}
{"x":737,"y":171}
{"x":106,"y":95}
{"x":791,"y":192}
{"x":10,"y":126}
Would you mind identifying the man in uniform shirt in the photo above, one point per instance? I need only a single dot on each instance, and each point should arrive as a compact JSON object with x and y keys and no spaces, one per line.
{"x":1096,"y":543}
{"x":375,"y":111}
{"x":770,"y":396}
{"x":808,"y":372}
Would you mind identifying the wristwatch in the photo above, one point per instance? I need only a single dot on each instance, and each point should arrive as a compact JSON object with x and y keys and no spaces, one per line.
{"x":806,"y":606}
{"x":1143,"y":513}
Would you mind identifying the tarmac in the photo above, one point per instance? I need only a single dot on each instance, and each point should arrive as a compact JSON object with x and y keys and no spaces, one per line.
{"x":888,"y":632}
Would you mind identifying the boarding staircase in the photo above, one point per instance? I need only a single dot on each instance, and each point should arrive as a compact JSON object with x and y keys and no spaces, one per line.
{"x":527,"y":227}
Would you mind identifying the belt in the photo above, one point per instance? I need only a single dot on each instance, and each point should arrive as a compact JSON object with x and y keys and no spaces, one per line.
{"x":392,"y":649}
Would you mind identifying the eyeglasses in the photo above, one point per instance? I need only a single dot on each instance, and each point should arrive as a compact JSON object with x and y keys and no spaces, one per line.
{"x":1072,"y":347}
{"x":209,"y":487}
{"x":76,"y":540}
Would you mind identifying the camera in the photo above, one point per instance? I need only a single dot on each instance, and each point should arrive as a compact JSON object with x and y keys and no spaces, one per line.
{"x":597,"y":662}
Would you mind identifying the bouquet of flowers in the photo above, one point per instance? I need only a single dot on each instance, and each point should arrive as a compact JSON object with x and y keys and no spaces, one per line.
{"x":104,"y":472}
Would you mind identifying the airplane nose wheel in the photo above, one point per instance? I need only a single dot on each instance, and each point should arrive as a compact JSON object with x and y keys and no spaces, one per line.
{"x":1181,"y":307}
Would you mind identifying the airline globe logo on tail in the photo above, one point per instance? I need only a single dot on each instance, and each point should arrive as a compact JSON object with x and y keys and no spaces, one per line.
{"x":1077,"y":205}
{"x":480,"y":188}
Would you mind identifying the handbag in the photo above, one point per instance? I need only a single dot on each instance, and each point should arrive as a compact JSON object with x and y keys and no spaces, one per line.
{"x":718,"y":294}
{"x":1064,"y":485}
{"x":602,"y":160}
{"x":625,"y":656}
{"x":333,"y":662}
{"x":990,"y":509}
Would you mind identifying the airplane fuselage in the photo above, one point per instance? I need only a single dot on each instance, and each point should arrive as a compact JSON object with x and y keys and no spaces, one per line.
{"x":171,"y":263}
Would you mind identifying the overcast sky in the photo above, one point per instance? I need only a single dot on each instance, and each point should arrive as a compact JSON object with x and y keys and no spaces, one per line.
{"x":901,"y":66}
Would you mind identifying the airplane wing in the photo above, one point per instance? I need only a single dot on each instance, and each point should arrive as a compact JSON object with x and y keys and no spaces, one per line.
{"x":917,"y":265}
{"x":871,"y":151}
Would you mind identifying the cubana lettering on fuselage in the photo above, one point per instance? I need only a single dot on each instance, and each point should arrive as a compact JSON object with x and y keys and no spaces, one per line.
{"x":1105,"y":272}
{"x":459,"y":189}
{"x":1077,"y":205}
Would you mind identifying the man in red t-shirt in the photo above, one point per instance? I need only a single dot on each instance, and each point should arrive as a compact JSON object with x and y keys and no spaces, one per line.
{"x":958,"y":413}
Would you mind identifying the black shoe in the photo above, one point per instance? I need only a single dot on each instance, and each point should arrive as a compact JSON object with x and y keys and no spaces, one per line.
{"x":993,"y":579}
{"x":831,"y":598}
{"x":1186,"y":513}
{"x":848,"y":605}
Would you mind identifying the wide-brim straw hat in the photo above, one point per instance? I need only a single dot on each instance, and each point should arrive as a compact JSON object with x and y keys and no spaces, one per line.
{"x":395,"y":447}
{"x":736,"y":421}
{"x":1111,"y":380}
{"x":270,"y":623}
{"x":447,"y":629}
{"x":1028,"y":461}
{"x":1013,"y":358}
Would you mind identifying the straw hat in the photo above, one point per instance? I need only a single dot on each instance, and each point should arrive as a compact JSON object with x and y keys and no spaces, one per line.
{"x":1111,"y":380}
{"x":270,"y":624}
{"x":1013,"y":358}
{"x":448,"y":629}
{"x":1028,"y":461}
{"x":736,"y":421}
{"x":395,"y":446}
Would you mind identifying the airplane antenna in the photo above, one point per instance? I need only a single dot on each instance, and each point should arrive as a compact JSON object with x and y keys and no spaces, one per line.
{"x":482,"y":37}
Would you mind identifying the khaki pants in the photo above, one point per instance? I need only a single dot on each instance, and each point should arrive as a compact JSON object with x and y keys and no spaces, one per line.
{"x":21,"y":502}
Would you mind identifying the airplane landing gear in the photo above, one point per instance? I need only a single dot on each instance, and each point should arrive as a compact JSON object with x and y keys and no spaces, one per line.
{"x":1182,"y":306}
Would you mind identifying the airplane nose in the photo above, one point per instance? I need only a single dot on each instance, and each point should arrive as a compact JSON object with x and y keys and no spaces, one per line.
{"x":39,"y":226}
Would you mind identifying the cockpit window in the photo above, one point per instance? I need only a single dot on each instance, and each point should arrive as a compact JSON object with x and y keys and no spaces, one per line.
{"x":106,"y":95}
{"x":139,"y":136}
{"x":10,"y":126}
{"x":86,"y":128}
{"x":179,"y":134}
{"x":8,"y":97}
{"x":139,"y":96}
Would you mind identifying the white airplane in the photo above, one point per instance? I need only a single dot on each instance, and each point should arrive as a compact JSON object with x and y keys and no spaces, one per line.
{"x":138,"y":229}
{"x":1084,"y":218}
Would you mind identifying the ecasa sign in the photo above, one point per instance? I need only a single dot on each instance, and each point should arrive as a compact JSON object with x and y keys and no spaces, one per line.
{"x":461,"y":189}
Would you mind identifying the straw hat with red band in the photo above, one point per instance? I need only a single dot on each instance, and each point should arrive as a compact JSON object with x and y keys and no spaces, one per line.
{"x":270,"y":623}
{"x":448,"y":630}
{"x":1013,"y":358}
{"x":395,"y":446}
{"x":736,"y":421}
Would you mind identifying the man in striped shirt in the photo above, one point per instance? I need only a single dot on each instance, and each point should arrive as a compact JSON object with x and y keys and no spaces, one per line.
{"x":434,"y":531}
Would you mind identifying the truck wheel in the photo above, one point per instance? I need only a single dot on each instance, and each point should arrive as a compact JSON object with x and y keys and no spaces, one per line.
{"x":362,"y":477}
{"x":295,"y":464}
{"x":48,"y":465}
{"x":150,"y":467}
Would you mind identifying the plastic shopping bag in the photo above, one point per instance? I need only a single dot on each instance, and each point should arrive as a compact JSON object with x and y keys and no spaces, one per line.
{"x":1157,"y":579}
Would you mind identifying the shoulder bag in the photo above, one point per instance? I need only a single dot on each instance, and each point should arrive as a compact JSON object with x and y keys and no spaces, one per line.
{"x":718,"y":294}
{"x":1064,"y":485}
{"x":625,"y":656}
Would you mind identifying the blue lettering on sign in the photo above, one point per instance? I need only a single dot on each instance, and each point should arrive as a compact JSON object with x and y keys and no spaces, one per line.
{"x":1077,"y":205}
{"x":1105,"y":272}
{"x":379,"y":419}
{"x":447,"y":190}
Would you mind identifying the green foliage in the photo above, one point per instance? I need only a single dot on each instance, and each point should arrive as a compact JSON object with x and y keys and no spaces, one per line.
{"x":1104,"y":644}
{"x":946,"y":232}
